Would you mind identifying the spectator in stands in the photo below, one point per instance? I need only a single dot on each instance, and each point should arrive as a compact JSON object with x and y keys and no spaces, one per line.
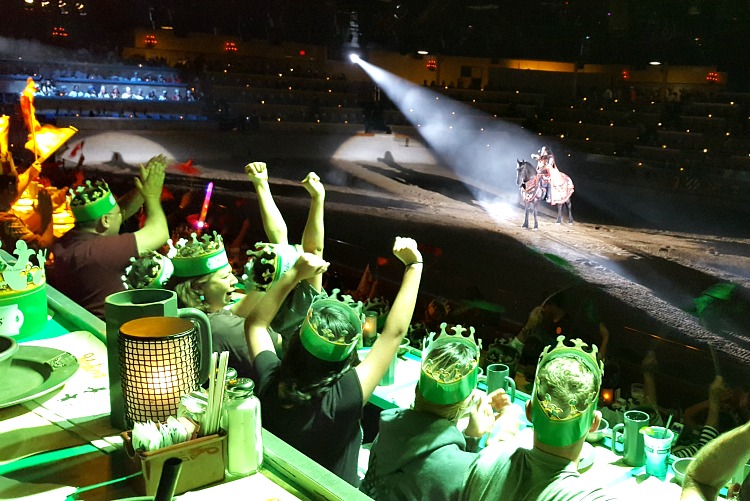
{"x":103,"y":93}
{"x":151,"y":96}
{"x":313,"y":397}
{"x":75,"y":92}
{"x":91,"y":258}
{"x":47,"y":88}
{"x":563,"y":411}
{"x":139,"y":95}
{"x":164,"y":96}
{"x":176,"y":95}
{"x":128,"y":94}
{"x":115,"y":94}
{"x":90,"y":92}
{"x":189,"y":95}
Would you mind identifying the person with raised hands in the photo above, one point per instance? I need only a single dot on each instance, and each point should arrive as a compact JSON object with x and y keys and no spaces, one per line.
{"x":313,"y":397}
{"x":90,"y":258}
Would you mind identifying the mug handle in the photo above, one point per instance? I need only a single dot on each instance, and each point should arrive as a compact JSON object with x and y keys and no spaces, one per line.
{"x":200,"y":320}
{"x":615,"y":429}
{"x":512,"y":387}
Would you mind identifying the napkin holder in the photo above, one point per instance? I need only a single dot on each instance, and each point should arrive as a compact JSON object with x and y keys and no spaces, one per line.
{"x":204,"y":461}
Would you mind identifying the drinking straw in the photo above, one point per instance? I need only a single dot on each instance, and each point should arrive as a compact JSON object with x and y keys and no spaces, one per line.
{"x":666,"y":427}
{"x":170,"y":474}
{"x":209,"y":407}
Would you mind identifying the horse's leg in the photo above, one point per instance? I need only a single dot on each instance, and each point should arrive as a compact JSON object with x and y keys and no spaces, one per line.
{"x":559,"y":214}
{"x":536,"y":209}
{"x":526,"y":216}
{"x":570,"y":211}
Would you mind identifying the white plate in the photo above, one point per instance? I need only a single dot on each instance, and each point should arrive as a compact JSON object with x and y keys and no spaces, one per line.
{"x":35,"y":371}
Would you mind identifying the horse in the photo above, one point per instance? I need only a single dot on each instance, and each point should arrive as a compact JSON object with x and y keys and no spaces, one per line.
{"x":530,"y":181}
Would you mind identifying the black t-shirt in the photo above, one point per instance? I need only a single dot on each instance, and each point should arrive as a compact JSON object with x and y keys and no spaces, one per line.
{"x":327,"y":431}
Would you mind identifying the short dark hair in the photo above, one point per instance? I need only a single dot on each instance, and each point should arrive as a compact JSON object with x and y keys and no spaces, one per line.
{"x":303,"y":377}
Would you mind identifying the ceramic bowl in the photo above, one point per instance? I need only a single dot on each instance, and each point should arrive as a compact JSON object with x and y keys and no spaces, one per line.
{"x":679,"y":467}
{"x":600,"y":433}
{"x":8,"y":349}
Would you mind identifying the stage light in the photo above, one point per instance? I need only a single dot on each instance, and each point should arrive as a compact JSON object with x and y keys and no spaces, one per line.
{"x":354,"y":58}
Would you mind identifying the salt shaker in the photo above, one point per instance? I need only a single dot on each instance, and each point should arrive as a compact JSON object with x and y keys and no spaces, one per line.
{"x":245,"y":445}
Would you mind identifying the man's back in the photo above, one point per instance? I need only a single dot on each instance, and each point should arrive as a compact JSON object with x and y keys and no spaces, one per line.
{"x":507,"y":471}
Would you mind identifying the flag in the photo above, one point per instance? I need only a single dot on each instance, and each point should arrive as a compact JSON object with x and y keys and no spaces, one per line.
{"x":187,"y":168}
{"x":4,"y":126}
{"x":78,"y":148}
{"x":45,"y":141}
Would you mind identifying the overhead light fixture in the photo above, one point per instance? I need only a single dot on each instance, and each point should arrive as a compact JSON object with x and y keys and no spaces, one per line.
{"x":353,"y":57}
{"x":423,"y":52}
{"x":655,"y":63}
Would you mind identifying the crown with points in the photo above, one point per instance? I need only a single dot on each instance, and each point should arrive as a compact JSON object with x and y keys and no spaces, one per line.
{"x":563,"y":425}
{"x":448,"y":382}
{"x":325,"y":344}
{"x":91,"y":201}
{"x":267,"y":264}
{"x":196,"y":257}
{"x":23,"y":273}
{"x":150,"y":271}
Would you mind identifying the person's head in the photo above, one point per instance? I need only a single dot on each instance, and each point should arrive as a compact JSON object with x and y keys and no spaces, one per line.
{"x":545,"y":151}
{"x":448,"y":375}
{"x":202,"y":277}
{"x":321,"y":351}
{"x":95,"y":208}
{"x":149,"y":271}
{"x":436,"y":312}
{"x":562,"y":407}
{"x":267,"y":263}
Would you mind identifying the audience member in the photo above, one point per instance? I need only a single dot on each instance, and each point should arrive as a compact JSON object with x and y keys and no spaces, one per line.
{"x":420,"y":453}
{"x":90,"y":258}
{"x":313,"y":398}
{"x":562,"y":410}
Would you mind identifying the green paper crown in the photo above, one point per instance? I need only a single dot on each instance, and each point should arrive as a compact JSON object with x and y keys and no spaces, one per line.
{"x":150,"y":271}
{"x":554,"y":425}
{"x":268,"y":263}
{"x":23,"y":273}
{"x":91,"y":201}
{"x":448,"y":386}
{"x":196,"y":257}
{"x":325,"y":345}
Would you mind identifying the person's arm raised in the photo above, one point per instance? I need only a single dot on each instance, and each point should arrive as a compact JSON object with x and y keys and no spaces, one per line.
{"x":372,"y":369}
{"x":273,"y":222}
{"x":155,"y":231}
{"x":256,"y":324}
{"x":715,"y":464}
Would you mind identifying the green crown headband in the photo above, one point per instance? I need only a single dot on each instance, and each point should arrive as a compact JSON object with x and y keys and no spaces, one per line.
{"x":196,"y":257}
{"x":150,"y":271}
{"x":324,"y":344}
{"x":553,"y":424}
{"x":447,"y":384}
{"x":268,"y":263}
{"x":91,"y":201}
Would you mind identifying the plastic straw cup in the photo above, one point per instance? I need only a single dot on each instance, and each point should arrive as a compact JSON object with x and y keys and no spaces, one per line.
{"x":657,"y":441}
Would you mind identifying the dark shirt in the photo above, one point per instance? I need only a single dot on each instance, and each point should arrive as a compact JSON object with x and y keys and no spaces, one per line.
{"x":89,"y":267}
{"x":327,"y":431}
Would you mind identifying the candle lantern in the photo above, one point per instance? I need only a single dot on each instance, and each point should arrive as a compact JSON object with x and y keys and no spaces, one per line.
{"x":607,"y":396}
{"x":370,"y":328}
{"x":159,"y":362}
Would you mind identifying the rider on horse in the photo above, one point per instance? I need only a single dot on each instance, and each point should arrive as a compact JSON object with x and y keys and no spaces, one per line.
{"x":550,"y":175}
